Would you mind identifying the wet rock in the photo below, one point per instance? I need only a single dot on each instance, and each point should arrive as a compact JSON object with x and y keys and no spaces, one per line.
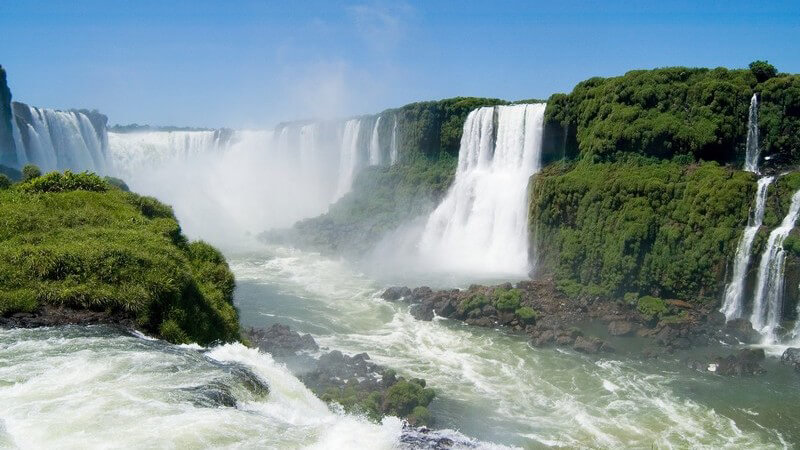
{"x":396,"y":293}
{"x":680,"y":304}
{"x":422,"y":311}
{"x":547,"y":337}
{"x":746,"y":362}
{"x":791,"y":357}
{"x":481,"y":321}
{"x":587,"y":345}
{"x":620,"y":328}
{"x":212,"y":395}
{"x":421,"y":293}
{"x":742,"y":330}
{"x":280,"y":340}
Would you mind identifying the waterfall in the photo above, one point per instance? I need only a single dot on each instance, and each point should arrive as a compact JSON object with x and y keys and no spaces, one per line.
{"x":768,"y":300}
{"x":375,"y":156}
{"x":733,"y":304}
{"x":59,"y":140}
{"x":132,"y":153}
{"x":393,"y":145}
{"x":752,"y":151}
{"x":349,"y":157}
{"x":482,"y":223}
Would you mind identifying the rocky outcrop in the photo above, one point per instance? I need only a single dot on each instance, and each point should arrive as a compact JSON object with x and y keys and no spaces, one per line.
{"x":50,"y":316}
{"x":355,"y":382}
{"x":8,"y":152}
{"x":747,"y":362}
{"x":791,"y":357}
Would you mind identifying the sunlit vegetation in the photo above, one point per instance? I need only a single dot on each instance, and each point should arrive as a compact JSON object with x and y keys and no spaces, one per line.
{"x":74,"y":240}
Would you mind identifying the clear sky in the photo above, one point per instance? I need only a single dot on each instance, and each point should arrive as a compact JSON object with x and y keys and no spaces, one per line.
{"x":242,"y":63}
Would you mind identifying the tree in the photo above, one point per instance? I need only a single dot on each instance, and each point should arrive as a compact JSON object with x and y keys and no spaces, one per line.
{"x":763,"y":70}
{"x":30,"y":172}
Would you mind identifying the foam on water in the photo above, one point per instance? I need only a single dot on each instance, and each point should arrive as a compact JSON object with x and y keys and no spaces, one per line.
{"x":492,"y":385}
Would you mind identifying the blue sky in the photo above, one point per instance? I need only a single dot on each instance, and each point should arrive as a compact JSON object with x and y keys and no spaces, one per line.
{"x":242,"y":63}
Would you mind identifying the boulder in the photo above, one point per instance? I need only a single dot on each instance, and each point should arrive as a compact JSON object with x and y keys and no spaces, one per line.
{"x":620,"y":328}
{"x":545,"y":338}
{"x":587,"y":344}
{"x":396,"y":293}
{"x":791,"y":357}
{"x":421,"y":293}
{"x":746,"y":362}
{"x":280,"y":340}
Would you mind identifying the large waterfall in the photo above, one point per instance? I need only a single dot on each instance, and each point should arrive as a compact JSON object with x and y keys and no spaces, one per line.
{"x":733,"y":305}
{"x":481,"y":225}
{"x":375,"y":154}
{"x":350,"y":157}
{"x":768,"y":301}
{"x":59,"y":140}
{"x":753,"y":150}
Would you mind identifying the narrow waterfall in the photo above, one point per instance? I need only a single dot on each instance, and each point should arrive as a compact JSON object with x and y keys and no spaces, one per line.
{"x":768,"y":300}
{"x":752,"y":151}
{"x":349,"y":158}
{"x":733,"y":305}
{"x":59,"y":140}
{"x":375,"y":156}
{"x":393,"y":145}
{"x":482,"y":224}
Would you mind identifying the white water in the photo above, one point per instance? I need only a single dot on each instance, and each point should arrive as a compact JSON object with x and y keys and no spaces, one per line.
{"x":350,"y":157}
{"x":375,"y":155}
{"x":393,"y":147}
{"x":768,"y":300}
{"x":752,"y":151}
{"x":60,"y":140}
{"x":492,"y":385}
{"x":481,"y":225}
{"x":733,"y":304}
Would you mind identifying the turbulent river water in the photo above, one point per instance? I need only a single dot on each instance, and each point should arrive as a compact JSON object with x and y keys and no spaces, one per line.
{"x":74,"y":387}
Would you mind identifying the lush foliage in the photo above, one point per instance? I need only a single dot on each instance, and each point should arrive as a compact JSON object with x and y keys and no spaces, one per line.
{"x":5,"y":182}
{"x":701,"y":113}
{"x":400,"y":398}
{"x":68,"y":240}
{"x":62,"y":182}
{"x":507,"y":299}
{"x":657,"y":227}
{"x":763,"y":70}
{"x":30,"y":171}
{"x":651,"y":307}
{"x":382,"y":198}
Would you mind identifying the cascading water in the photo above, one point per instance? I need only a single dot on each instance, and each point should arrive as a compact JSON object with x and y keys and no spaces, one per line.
{"x":393,"y":147}
{"x":733,"y":305}
{"x":768,"y":300}
{"x":375,"y":156}
{"x":481,"y":225}
{"x":58,"y":140}
{"x":752,"y":151}
{"x":350,"y":157}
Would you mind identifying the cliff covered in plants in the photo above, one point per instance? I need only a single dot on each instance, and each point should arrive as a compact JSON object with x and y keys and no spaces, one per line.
{"x":647,"y":196}
{"x":8,"y":155}
{"x":75,"y":242}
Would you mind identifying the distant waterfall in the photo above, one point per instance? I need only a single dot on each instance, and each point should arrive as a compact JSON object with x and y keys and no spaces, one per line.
{"x":393,"y":145}
{"x":768,"y":300}
{"x":134,"y":152}
{"x":375,"y":156}
{"x":733,"y":304}
{"x":752,"y":152}
{"x":59,"y":140}
{"x":349,"y":157}
{"x":482,"y":223}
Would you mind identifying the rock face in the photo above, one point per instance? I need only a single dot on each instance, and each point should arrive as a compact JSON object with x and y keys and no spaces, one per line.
{"x":620,"y":328}
{"x":791,"y":357}
{"x":746,"y":362}
{"x":8,"y":152}
{"x":49,"y":316}
{"x":280,"y":340}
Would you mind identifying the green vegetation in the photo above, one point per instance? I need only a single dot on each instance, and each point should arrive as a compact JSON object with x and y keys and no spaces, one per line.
{"x":475,"y":302}
{"x":30,"y":172}
{"x":5,"y":182}
{"x":507,"y":299}
{"x":527,"y":314}
{"x":656,"y":227}
{"x":403,"y":398}
{"x":700,"y":113}
{"x":70,"y":240}
{"x":651,"y":307}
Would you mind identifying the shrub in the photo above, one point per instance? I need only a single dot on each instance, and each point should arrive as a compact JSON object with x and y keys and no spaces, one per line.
{"x":404,"y":396}
{"x":507,"y":299}
{"x":631,"y":298}
{"x":5,"y":182}
{"x":792,"y":245}
{"x":763,"y":70}
{"x":117,"y":183}
{"x":476,"y":301}
{"x":30,"y":172}
{"x":527,"y":314}
{"x":63,"y":182}
{"x":651,"y":307}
